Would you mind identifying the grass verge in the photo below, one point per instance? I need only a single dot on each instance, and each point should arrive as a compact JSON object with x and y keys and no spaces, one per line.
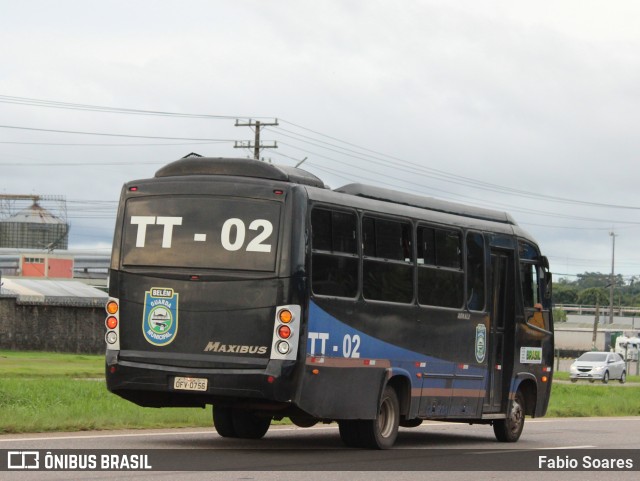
{"x":39,"y":405}
{"x":31,"y":364}
{"x":66,"y":392}
{"x":582,"y":400}
{"x":42,"y":392}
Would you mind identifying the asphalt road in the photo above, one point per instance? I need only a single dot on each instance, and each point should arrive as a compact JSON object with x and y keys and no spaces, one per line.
{"x":290,"y":453}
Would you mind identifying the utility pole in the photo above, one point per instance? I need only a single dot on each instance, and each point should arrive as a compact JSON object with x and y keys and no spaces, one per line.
{"x":612,"y":280}
{"x":256,"y":146}
{"x":596,"y":320}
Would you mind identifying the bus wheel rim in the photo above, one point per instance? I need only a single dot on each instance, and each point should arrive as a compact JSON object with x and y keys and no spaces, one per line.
{"x":516,"y":417}
{"x":385,"y":419}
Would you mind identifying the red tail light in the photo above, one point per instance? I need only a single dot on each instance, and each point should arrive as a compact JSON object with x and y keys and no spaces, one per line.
{"x":112,"y":322}
{"x":284,"y":332}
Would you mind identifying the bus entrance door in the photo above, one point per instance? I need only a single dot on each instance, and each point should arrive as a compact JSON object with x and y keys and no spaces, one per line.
{"x":500,"y":330}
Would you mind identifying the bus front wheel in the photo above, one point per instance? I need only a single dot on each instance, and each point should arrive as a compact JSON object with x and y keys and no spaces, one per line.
{"x":509,"y":430}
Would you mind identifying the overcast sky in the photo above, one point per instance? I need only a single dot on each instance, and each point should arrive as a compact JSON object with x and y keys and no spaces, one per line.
{"x":528,"y":107}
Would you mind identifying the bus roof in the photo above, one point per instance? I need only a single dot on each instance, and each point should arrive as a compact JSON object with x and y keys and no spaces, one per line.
{"x":238,"y":167}
{"x":428,"y":203}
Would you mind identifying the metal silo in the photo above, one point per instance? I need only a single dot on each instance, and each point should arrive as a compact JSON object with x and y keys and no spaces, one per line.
{"x":33,"y":227}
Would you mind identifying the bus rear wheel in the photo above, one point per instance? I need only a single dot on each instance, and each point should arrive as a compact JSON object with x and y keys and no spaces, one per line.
{"x":350,"y":432}
{"x":509,"y":430}
{"x":378,"y":433}
{"x":223,"y":421}
{"x":236,"y":423}
{"x":303,"y":421}
{"x":381,"y":432}
{"x":410,"y":423}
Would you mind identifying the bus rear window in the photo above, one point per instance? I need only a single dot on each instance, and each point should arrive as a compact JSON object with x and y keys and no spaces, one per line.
{"x":201,"y":232}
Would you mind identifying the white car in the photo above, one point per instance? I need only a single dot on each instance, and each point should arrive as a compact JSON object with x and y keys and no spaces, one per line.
{"x":600,"y":366}
{"x":628,"y":347}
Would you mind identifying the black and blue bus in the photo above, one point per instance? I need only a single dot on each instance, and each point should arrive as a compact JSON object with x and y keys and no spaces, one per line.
{"x":256,"y":289}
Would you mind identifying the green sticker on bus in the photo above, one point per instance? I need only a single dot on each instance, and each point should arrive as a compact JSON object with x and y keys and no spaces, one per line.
{"x":531,"y":355}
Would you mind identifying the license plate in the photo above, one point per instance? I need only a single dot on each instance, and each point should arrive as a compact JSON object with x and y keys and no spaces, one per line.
{"x":190,"y":384}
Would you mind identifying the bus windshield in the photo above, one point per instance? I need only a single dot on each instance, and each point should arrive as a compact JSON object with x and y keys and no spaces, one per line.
{"x":201,"y":232}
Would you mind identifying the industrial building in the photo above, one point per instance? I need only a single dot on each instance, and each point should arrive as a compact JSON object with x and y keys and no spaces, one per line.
{"x":89,"y":267}
{"x":34,"y":238}
{"x":51,"y":298}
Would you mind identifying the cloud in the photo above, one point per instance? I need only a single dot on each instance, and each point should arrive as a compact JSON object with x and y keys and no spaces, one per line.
{"x":539,"y":98}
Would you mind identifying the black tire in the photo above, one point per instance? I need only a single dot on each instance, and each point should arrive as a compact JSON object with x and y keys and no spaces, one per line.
{"x":234,"y":423}
{"x":509,"y":430}
{"x":223,"y":421}
{"x":574,"y":380}
{"x":250,"y":426}
{"x":623,"y":378}
{"x":605,"y":378}
{"x":350,"y":432}
{"x":303,"y":421}
{"x":410,"y":423}
{"x":381,"y":432}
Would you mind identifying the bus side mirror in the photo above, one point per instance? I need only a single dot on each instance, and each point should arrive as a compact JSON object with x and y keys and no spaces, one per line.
{"x":545,"y":263}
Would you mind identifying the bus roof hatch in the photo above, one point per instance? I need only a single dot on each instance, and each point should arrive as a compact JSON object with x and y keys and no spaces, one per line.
{"x":238,"y":168}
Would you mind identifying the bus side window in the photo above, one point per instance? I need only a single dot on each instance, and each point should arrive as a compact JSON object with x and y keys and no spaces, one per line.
{"x":334,"y":260}
{"x":475,"y":272}
{"x":440,"y":275}
{"x":321,"y":230}
{"x":530,"y":284}
{"x":530,"y":270}
{"x":388,"y":260}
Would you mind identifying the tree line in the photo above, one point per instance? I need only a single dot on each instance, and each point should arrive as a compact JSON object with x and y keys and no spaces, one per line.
{"x":591,"y":288}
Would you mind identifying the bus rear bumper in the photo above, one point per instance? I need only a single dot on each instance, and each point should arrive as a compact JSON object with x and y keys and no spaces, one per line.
{"x":168,"y":386}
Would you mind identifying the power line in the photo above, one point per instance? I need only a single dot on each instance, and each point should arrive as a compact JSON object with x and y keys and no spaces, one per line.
{"x":110,"y":134}
{"x":579,"y":227}
{"x":77,"y":144}
{"x":363,"y":153}
{"x":310,"y":163}
{"x":100,"y":108}
{"x":467,"y":198}
{"x":443,"y":175}
{"x":80,"y":164}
